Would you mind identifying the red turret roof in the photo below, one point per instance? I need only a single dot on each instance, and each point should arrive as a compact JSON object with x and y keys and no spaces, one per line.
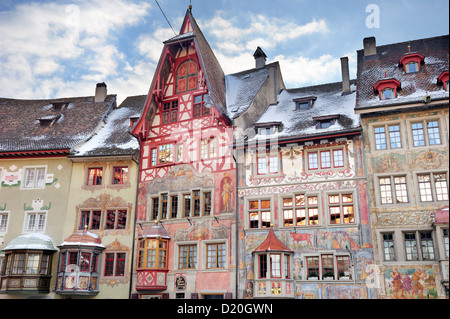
{"x":272,"y":243}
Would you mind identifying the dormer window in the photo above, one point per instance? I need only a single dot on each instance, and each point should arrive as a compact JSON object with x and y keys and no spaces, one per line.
{"x":59,"y":106}
{"x":267,"y":129}
{"x":304,"y":103}
{"x":443,"y":78}
{"x":48,"y":120}
{"x":133,"y":120}
{"x":387,"y":88}
{"x":411,"y":62}
{"x":324,"y":122}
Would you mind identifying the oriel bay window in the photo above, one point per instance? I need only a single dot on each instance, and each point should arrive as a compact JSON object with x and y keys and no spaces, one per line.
{"x":79,"y":264}
{"x":152,"y":253}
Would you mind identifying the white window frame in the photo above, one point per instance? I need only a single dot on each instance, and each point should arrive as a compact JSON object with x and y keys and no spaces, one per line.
{"x":35,"y":180}
{"x":3,"y":218}
{"x":26,"y":221}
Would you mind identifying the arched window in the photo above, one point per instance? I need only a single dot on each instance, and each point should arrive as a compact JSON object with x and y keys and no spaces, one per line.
{"x":187,"y":76}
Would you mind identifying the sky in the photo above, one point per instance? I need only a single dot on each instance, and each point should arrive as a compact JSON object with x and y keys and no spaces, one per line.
{"x":52,"y":49}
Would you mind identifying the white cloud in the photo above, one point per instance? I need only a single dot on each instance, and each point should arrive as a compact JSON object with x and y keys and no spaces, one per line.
{"x":40,"y":41}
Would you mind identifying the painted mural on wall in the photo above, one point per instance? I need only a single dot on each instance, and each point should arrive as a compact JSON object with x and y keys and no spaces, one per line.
{"x":411,"y":283}
{"x":314,"y":241}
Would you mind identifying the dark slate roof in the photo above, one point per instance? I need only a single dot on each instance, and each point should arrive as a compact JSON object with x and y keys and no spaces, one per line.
{"x":242,"y":88}
{"x":21,"y":130}
{"x":114,"y":137}
{"x":329,"y":101}
{"x":214,"y":73}
{"x":415,"y":86}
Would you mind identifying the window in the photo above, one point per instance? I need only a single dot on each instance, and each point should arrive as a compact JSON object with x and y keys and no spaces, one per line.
{"x":430,"y":136}
{"x":312,"y":266}
{"x":90,"y":219}
{"x":155,"y":208}
{"x":208,"y":148}
{"x":26,"y":263}
{"x":393,"y":195}
{"x":116,"y":218}
{"x":215,"y":256}
{"x":301,"y":210}
{"x":302,"y":105}
{"x":170,"y":112}
{"x":186,"y":205}
{"x":187,"y":257}
{"x":95,"y":176}
{"x":34,"y":177}
{"x":173,"y":206}
{"x":388,"y":93}
{"x":206,"y":203}
{"x":412,"y":67}
{"x":433,"y":187}
{"x":393,"y":140}
{"x":4,"y":221}
{"x":262,"y":266}
{"x":341,"y":208}
{"x":275,"y":265}
{"x":199,"y":106}
{"x":114,"y":264}
{"x":165,"y":154}
{"x":343,"y":267}
{"x":187,"y":76}
{"x":419,"y":246}
{"x":120,"y":175}
{"x":267,"y":164}
{"x":35,"y":221}
{"x":152,"y":254}
{"x":326,"y":159}
{"x":327,"y":266}
{"x":388,"y":247}
{"x":259,"y":210}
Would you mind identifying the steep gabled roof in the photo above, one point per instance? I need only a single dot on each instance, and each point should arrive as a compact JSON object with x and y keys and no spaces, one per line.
{"x":214,"y":75}
{"x":53,"y":125}
{"x":414,"y":86}
{"x":114,"y":136}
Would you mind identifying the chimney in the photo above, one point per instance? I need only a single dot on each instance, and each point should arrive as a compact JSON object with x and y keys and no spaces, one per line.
{"x":260,"y":58}
{"x":345,"y":76}
{"x":370,"y":48}
{"x":100,"y":92}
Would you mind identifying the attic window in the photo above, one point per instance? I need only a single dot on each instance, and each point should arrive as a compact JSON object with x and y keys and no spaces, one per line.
{"x":411,"y":62}
{"x":325,"y":121}
{"x":387,"y":88}
{"x":266,"y":129}
{"x":304,"y":103}
{"x":60,"y":106}
{"x":443,"y":78}
{"x":133,"y":121}
{"x":48,"y":120}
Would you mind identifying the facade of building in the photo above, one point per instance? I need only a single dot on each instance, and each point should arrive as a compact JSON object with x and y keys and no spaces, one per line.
{"x":35,"y":175}
{"x":233,"y":186}
{"x":95,"y":257}
{"x":186,"y":197}
{"x":402,"y":99}
{"x":302,"y":185}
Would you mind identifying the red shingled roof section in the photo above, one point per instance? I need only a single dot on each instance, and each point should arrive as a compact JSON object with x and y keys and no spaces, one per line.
{"x":272,"y":243}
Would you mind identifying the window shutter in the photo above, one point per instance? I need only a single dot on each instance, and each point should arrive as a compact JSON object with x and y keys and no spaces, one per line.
{"x":194,"y":295}
{"x":165,"y":296}
{"x":229,"y":295}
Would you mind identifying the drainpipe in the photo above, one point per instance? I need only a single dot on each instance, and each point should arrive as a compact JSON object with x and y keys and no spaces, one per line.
{"x":237,"y":211}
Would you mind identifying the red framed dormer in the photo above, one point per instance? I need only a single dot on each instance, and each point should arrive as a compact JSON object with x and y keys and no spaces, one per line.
{"x":387,"y":88}
{"x":411,"y":61}
{"x":443,"y":78}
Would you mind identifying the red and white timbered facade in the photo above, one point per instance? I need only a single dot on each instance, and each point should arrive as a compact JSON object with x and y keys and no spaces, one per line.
{"x":187,"y":173}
